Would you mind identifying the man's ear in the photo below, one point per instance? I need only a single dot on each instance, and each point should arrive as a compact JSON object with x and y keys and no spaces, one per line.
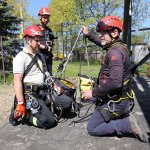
{"x":115,"y":33}
{"x":27,"y":39}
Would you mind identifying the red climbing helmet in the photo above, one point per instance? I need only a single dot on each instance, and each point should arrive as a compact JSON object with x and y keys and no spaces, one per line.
{"x":44,"y":11}
{"x":108,"y":23}
{"x":32,"y":31}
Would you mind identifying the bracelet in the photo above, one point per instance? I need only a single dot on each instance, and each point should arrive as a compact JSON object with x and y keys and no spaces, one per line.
{"x":20,"y":102}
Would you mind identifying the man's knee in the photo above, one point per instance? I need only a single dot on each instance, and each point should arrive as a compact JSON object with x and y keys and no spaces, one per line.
{"x":90,"y":130}
{"x":42,"y":121}
{"x":48,"y":122}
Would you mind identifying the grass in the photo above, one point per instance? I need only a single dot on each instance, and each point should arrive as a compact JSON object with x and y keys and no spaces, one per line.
{"x":9,"y":78}
{"x":73,"y":68}
{"x":143,"y":68}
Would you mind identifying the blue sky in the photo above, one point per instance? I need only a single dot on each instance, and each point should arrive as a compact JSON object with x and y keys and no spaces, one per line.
{"x":35,"y":5}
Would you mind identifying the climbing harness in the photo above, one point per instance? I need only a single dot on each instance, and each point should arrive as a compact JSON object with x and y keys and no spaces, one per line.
{"x":112,"y":100}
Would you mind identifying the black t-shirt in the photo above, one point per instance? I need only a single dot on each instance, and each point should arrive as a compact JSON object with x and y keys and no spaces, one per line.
{"x":47,"y":37}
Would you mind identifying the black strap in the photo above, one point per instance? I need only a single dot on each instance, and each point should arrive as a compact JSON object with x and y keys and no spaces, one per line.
{"x":33,"y":61}
{"x":41,"y":57}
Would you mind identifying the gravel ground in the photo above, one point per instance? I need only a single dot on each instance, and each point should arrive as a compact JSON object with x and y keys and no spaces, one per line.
{"x":6,"y":102}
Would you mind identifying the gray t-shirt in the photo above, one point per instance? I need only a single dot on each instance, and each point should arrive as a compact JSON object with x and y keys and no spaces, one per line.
{"x":20,"y":63}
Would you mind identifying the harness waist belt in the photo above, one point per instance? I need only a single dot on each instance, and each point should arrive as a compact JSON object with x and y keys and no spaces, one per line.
{"x":31,"y":87}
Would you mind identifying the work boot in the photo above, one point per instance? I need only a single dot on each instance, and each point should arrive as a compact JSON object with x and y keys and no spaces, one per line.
{"x":13,"y":120}
{"x":136,"y":129}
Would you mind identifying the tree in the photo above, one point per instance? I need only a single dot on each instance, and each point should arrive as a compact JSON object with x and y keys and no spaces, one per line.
{"x":69,"y":16}
{"x":18,"y":6}
{"x":79,"y":12}
{"x":9,"y":31}
{"x":140,"y":13}
{"x":137,"y":39}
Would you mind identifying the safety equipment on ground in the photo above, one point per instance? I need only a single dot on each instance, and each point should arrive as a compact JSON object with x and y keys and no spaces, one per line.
{"x":108,"y":23}
{"x":64,"y":86}
{"x":32,"y":31}
{"x":86,"y":82}
{"x":20,"y":110}
{"x":60,"y":89}
{"x":44,"y":11}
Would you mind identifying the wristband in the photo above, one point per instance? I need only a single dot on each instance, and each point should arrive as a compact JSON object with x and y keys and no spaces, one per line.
{"x":20,"y":102}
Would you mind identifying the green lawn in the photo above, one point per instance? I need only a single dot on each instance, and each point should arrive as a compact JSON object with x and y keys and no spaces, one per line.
{"x":73,"y":68}
{"x":143,"y":68}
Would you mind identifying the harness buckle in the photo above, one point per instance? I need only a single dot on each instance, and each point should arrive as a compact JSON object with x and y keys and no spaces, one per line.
{"x":113,"y":106}
{"x":31,"y":87}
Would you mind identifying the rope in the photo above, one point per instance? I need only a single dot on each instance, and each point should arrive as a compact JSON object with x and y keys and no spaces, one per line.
{"x":86,"y":52}
{"x":62,"y":66}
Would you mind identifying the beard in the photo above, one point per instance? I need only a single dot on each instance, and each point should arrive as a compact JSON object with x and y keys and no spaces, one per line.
{"x":103,"y":43}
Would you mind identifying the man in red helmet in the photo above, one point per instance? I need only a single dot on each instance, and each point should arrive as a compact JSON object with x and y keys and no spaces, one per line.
{"x":112,"y":94}
{"x":47,"y":41}
{"x":29,"y":75}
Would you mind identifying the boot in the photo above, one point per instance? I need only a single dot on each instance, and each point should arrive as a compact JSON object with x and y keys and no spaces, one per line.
{"x":13,"y":120}
{"x":136,"y":129}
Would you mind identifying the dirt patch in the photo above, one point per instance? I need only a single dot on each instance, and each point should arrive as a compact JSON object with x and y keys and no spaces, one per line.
{"x":6,"y":102}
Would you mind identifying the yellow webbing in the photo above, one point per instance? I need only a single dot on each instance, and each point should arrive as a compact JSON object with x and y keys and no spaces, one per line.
{"x":131,"y":96}
{"x":34,"y":121}
{"x":122,"y":45}
{"x":68,"y":83}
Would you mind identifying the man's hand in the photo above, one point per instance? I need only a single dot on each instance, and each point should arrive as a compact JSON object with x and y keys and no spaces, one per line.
{"x":86,"y":94}
{"x":50,"y":43}
{"x":85,"y":30}
{"x":42,"y":46}
{"x":20,"y":110}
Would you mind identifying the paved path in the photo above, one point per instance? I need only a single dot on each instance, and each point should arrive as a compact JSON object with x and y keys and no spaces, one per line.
{"x":63,"y":137}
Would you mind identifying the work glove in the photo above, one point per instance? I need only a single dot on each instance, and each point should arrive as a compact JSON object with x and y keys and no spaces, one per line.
{"x":20,"y":110}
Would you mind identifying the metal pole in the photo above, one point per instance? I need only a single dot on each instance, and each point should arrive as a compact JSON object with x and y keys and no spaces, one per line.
{"x":129,"y":26}
{"x":3,"y":64}
{"x":126,"y":20}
